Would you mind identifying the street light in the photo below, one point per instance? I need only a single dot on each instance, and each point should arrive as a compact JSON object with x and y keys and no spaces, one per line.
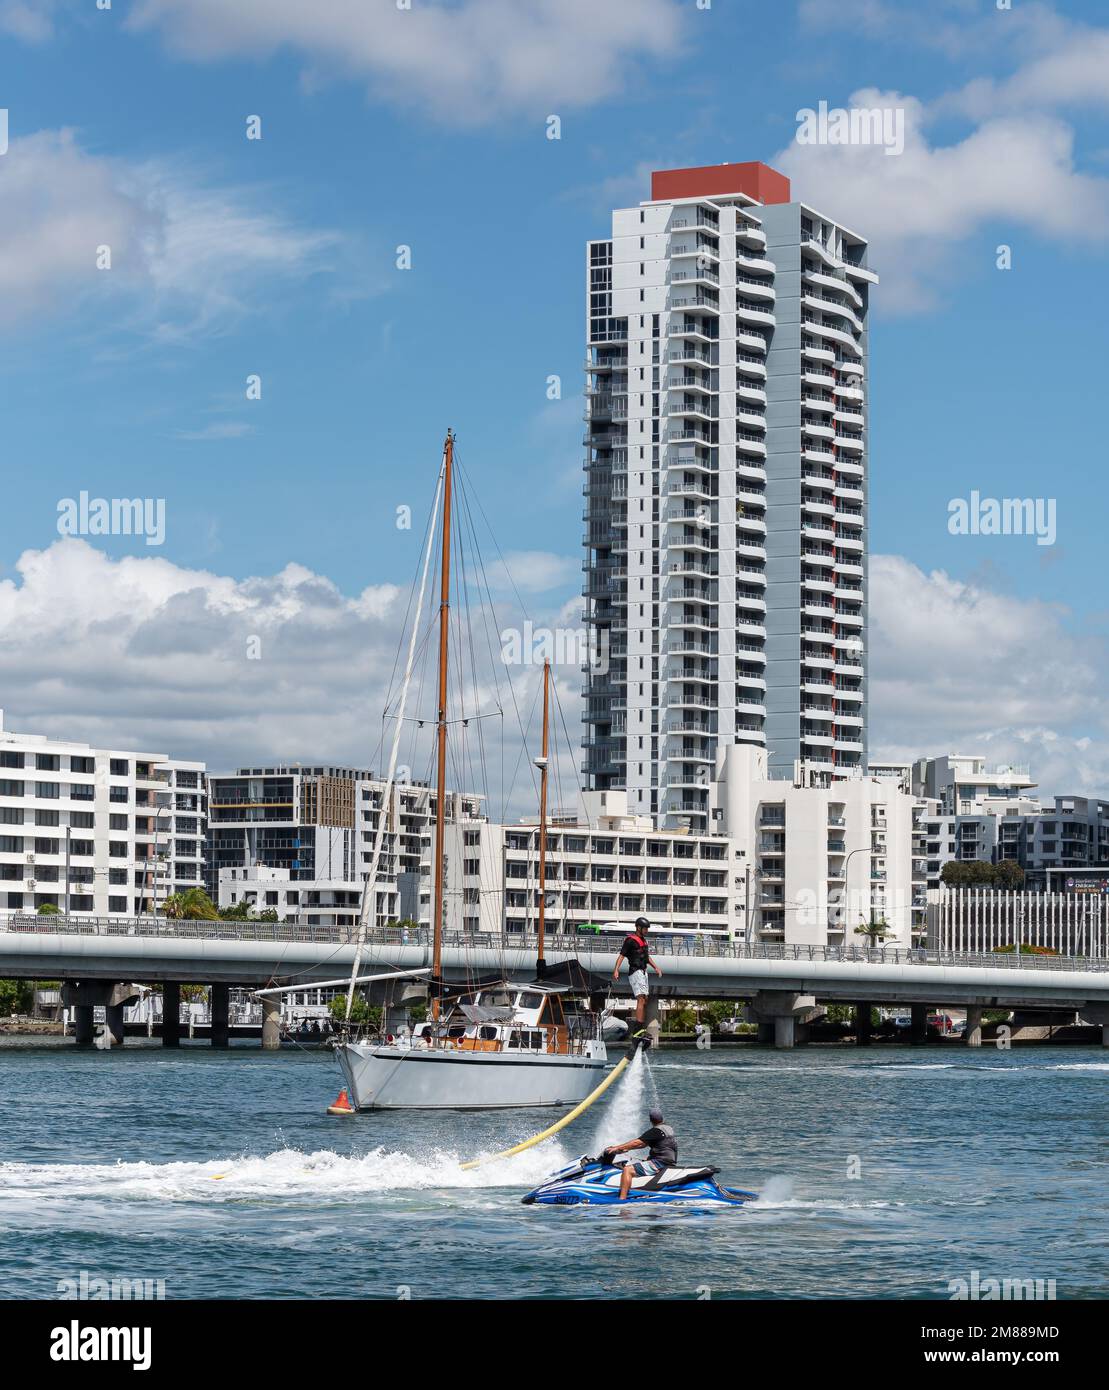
{"x":161,"y":811}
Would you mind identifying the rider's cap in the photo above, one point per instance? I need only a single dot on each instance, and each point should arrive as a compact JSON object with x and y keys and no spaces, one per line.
{"x":655,"y":1117}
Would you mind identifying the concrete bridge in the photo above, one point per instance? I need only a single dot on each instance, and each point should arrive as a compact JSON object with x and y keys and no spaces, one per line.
{"x":785,"y":984}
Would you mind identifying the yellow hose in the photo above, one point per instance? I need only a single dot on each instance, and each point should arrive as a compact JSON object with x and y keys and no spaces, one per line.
{"x":561,"y":1124}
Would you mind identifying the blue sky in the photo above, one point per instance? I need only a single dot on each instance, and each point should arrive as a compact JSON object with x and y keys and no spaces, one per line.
{"x":426,"y":128}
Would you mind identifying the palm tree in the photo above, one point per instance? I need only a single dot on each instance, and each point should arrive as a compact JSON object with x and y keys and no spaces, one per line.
{"x":193,"y":905}
{"x":876,"y":930}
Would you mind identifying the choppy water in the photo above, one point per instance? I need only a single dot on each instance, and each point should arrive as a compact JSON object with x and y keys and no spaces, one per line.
{"x":221,"y":1174}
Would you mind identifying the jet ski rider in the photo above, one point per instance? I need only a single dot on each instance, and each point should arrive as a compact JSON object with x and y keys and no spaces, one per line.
{"x":637,"y":953}
{"x":662,"y":1145}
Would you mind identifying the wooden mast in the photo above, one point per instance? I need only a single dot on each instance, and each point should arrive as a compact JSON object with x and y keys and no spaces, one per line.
{"x":540,"y":962}
{"x":441,"y":770}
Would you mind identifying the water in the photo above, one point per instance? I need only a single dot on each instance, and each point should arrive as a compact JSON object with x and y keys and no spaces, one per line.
{"x":221,"y":1174}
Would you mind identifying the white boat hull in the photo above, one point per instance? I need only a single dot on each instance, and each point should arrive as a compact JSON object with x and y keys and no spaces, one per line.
{"x":383,"y":1077}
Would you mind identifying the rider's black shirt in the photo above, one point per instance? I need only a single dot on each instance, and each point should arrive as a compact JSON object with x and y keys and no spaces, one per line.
{"x":663,"y":1144}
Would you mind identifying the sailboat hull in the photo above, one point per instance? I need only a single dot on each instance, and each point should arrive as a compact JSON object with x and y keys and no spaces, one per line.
{"x":381,"y":1077}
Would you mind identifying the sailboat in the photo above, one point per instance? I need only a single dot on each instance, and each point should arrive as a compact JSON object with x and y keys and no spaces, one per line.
{"x":498,"y":1044}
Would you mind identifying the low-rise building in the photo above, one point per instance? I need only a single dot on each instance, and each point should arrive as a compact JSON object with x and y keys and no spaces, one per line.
{"x":96,"y":831}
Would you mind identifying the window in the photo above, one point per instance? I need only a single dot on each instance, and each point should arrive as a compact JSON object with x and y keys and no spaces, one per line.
{"x":11,"y":815}
{"x":44,"y":846}
{"x":11,"y":844}
{"x":82,"y":765}
{"x":116,"y":904}
{"x":9,"y":788}
{"x":47,"y":818}
{"x":48,"y":791}
{"x":8,"y":759}
{"x":117,"y":822}
{"x":82,"y":820}
{"x":119,"y":767}
{"x":48,"y":762}
{"x":81,"y":848}
{"x":118,"y":794}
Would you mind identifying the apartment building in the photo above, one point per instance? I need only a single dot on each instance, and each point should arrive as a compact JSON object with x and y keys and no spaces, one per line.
{"x":316,"y":827}
{"x":826,"y":859}
{"x":104,"y":832}
{"x":726,"y":492}
{"x":605,"y":865}
{"x":962,"y":782}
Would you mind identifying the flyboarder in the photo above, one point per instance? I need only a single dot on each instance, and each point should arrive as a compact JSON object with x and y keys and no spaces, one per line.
{"x":636,"y":952}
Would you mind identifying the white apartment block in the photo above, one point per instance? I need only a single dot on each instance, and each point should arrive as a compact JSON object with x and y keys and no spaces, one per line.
{"x":726,"y":493}
{"x":824,"y":859}
{"x":130,"y":826}
{"x":963,"y":783}
{"x":790,"y":860}
{"x":605,"y":865}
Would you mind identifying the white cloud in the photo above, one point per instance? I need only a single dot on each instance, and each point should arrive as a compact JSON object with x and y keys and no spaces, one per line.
{"x":1073,"y":72}
{"x":536,"y":571}
{"x":139,"y":652}
{"x":472,"y":61}
{"x":956,"y":667}
{"x":184,"y":256}
{"x":29,"y":20}
{"x":920,"y":208}
{"x":218,"y":430}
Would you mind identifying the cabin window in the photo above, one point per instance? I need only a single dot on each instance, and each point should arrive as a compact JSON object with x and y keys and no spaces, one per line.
{"x":487,"y":1034}
{"x":530,"y":1001}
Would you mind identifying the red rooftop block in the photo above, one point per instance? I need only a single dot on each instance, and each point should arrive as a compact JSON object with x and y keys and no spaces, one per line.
{"x":713,"y":180}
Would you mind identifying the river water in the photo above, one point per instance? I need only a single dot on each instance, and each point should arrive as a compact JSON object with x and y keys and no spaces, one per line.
{"x":882,"y":1173}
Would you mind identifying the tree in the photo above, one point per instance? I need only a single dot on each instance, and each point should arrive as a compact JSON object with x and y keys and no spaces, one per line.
{"x":193,"y":905}
{"x":16,"y":996}
{"x":237,"y":912}
{"x":877,"y":929}
{"x":360,"y":1011}
{"x":1009,"y":875}
{"x":48,"y":909}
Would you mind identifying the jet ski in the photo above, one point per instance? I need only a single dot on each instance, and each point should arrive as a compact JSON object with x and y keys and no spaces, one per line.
{"x":592,"y":1182}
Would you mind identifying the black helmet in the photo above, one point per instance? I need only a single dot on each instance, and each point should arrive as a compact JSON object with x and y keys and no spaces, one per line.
{"x":641,"y":924}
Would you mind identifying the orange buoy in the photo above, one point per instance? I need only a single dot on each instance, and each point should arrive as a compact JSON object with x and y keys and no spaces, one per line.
{"x":342,"y":1105}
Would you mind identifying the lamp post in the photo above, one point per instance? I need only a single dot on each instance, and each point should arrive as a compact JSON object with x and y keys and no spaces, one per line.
{"x":162,"y":811}
{"x":846,"y":865}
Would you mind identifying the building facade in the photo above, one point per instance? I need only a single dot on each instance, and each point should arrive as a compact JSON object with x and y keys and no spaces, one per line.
{"x":316,"y":826}
{"x":826,"y":860}
{"x":94,"y":831}
{"x":726,"y":492}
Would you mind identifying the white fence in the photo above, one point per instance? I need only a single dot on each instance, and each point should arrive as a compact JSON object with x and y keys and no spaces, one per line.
{"x":985,"y":919}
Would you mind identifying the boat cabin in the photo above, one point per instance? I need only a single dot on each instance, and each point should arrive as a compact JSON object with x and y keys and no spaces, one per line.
{"x":510,"y":1018}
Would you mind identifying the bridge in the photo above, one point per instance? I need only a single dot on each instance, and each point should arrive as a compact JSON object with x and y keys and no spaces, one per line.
{"x":96,"y":957}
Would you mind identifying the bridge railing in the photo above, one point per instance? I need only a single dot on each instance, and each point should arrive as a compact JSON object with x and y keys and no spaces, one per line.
{"x":558,"y":943}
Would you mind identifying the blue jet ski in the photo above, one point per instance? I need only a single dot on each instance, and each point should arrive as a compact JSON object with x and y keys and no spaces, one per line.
{"x":590,"y":1182}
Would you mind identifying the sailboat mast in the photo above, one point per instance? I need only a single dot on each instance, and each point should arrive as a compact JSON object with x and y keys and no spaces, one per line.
{"x":441,"y":762}
{"x":540,"y":962}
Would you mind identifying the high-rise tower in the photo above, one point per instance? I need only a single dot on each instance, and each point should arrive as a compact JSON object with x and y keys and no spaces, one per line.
{"x":726,"y":511}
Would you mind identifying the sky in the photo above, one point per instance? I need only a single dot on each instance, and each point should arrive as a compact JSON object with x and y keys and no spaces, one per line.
{"x":403,"y":250}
